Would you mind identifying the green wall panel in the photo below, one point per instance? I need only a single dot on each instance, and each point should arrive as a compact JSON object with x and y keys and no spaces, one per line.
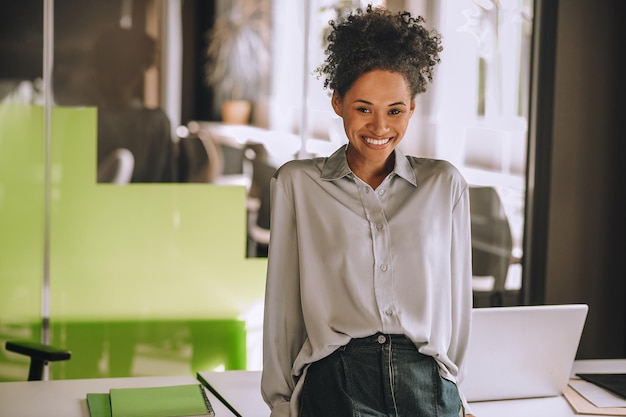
{"x":21,"y":230}
{"x":21,"y":214}
{"x":142,"y":250}
{"x":144,"y":278}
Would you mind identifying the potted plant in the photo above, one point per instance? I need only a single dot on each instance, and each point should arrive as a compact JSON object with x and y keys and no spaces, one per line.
{"x":237,"y":65}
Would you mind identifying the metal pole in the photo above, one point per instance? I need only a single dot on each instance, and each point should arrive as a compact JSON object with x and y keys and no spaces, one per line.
{"x":48,"y":55}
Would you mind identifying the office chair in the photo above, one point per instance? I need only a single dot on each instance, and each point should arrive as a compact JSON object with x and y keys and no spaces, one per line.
{"x":492,"y":244}
{"x":40,"y":354}
{"x":195,"y":163}
{"x":259,"y":200}
{"x":117,"y":167}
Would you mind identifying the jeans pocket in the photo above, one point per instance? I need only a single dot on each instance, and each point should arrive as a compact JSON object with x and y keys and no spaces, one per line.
{"x":449,"y":401}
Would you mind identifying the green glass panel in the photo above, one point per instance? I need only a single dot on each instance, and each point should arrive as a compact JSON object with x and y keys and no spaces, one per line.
{"x":144,"y":272}
{"x":21,"y":231}
{"x":150,"y":251}
{"x":149,"y":347}
{"x":21,"y":212}
{"x":144,"y":278}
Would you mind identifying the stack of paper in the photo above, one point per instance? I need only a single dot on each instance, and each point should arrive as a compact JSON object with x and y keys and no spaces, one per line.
{"x":168,"y":401}
{"x":588,"y":398}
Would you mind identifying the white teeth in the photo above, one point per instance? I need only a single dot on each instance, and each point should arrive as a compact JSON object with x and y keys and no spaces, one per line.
{"x":376,"y":142}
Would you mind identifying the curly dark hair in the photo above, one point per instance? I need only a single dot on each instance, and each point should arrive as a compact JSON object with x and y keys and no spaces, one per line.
{"x":376,"y":38}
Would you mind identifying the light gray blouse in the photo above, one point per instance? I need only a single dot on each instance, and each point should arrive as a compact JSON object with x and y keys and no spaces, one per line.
{"x":348,"y":261}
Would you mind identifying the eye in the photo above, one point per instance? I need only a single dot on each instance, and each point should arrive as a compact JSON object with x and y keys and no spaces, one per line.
{"x":363,"y":110}
{"x":395,"y":111}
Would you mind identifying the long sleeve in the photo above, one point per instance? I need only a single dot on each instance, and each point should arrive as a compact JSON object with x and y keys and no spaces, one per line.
{"x":461,"y":273}
{"x":283,"y":333}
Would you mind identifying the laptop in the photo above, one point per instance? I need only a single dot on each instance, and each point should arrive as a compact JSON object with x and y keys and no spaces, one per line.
{"x":522,"y":351}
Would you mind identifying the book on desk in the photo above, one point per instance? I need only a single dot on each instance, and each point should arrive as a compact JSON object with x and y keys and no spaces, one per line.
{"x":616,"y":383}
{"x":188,"y":400}
{"x":597,"y":394}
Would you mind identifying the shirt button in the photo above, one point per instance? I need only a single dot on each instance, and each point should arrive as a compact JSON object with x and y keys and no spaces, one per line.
{"x":382,"y":339}
{"x":379,"y":226}
{"x":383,"y":267}
{"x":381,"y":192}
{"x":389,"y":312}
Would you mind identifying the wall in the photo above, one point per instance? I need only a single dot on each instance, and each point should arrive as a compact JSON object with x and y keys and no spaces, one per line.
{"x":585,"y":247}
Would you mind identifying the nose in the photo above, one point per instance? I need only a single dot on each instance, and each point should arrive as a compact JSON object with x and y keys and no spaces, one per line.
{"x":378,"y":124}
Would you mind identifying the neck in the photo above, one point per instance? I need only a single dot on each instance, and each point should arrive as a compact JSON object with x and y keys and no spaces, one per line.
{"x":371,"y":172}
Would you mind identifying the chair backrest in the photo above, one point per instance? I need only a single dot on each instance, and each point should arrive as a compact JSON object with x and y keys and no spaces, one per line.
{"x":117,"y":167}
{"x":492,"y":242}
{"x":256,"y":155}
{"x":193,"y":161}
{"x":262,"y":172}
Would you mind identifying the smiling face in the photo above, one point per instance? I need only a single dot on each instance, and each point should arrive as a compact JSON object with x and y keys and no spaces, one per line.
{"x":376,"y":111}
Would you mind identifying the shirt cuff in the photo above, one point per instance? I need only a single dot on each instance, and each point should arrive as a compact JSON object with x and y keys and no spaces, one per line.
{"x":280,"y":410}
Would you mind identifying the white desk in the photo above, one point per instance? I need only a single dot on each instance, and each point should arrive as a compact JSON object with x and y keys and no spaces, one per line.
{"x":67,"y":398}
{"x":546,"y":407}
{"x":241,"y":390}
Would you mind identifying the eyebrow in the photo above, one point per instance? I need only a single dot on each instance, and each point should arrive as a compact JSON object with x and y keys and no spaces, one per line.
{"x":397,"y":103}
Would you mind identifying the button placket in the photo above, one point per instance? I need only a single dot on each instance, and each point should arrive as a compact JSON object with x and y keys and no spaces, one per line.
{"x":372,"y":201}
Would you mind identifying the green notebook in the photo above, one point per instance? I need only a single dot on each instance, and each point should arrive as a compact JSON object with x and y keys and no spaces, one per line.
{"x":99,"y":405}
{"x":169,"y":401}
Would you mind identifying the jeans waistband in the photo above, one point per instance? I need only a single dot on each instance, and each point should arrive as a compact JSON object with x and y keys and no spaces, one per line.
{"x":380,"y":339}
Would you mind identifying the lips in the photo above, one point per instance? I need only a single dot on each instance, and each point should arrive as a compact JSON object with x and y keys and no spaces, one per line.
{"x":373,"y":141}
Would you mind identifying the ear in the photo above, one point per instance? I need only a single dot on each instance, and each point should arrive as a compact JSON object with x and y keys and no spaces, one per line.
{"x":412,"y":106}
{"x":336,"y":102}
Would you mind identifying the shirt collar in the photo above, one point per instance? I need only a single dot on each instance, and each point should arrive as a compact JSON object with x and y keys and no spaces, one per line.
{"x":336,"y":166}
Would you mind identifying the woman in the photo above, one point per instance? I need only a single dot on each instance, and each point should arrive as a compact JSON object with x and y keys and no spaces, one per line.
{"x":368,"y":297}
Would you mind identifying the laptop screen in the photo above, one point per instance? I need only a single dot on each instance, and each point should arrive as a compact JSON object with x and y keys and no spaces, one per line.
{"x":521,"y":351}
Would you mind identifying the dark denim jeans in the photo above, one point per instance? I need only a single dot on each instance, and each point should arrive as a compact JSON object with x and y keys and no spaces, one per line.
{"x":378,"y":376}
